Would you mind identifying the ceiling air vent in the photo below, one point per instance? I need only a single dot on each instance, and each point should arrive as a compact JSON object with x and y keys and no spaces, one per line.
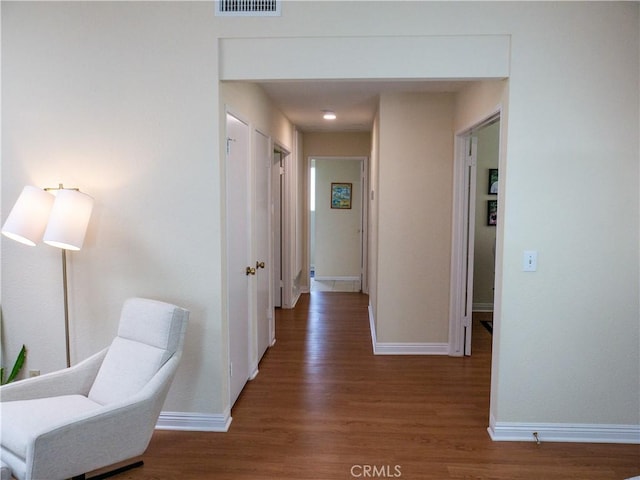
{"x":248,"y":8}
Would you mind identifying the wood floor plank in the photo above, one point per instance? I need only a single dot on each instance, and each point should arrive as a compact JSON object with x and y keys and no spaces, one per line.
{"x":323,"y":407}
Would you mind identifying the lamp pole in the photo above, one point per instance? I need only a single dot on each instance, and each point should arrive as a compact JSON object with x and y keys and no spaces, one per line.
{"x":66,"y":305}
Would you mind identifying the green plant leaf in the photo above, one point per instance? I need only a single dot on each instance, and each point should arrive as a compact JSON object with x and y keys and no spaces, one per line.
{"x":18,"y":365}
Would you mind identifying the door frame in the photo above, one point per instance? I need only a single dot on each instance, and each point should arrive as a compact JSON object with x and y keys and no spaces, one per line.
{"x":286,"y":224}
{"x":462,"y":234}
{"x":256,"y":170}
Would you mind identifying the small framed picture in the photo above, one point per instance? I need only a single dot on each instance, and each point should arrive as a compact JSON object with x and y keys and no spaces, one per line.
{"x":492,"y":212}
{"x":341,"y":195}
{"x":493,"y":181}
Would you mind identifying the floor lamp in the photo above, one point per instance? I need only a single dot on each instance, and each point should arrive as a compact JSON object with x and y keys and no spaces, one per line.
{"x":59,"y":216}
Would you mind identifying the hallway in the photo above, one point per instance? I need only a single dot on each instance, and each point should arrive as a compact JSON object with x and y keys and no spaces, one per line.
{"x":323,"y":407}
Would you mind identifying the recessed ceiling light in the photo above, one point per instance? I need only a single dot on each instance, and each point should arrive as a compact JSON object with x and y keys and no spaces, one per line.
{"x":329,"y":115}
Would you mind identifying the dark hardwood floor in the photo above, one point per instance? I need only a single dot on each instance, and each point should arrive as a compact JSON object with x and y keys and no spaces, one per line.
{"x":323,"y":407}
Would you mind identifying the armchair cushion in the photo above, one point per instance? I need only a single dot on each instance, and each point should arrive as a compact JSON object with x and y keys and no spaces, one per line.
{"x":148,"y":335}
{"x":127,"y":367}
{"x":152,"y":322}
{"x":29,"y":418}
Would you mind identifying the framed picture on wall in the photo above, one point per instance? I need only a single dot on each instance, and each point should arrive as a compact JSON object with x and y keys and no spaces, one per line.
{"x":492,"y":212}
{"x":493,"y":181}
{"x":341,"y":195}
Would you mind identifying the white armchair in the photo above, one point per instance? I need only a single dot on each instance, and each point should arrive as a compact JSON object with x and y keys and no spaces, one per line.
{"x":101,"y":411}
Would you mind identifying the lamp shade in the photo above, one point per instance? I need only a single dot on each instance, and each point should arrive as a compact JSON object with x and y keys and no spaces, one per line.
{"x":28,"y":218}
{"x":69,"y":219}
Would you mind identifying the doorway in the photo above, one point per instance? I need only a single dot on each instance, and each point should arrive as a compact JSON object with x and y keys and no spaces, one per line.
{"x":484,"y":258}
{"x":476,"y":200}
{"x":337,"y":224}
{"x":281,"y":205}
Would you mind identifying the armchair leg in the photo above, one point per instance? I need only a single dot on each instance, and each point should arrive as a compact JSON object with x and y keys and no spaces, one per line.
{"x":111,"y":473}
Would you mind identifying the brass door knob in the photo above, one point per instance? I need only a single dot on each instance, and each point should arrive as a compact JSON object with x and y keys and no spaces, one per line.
{"x":259,"y":265}
{"x":251,"y":271}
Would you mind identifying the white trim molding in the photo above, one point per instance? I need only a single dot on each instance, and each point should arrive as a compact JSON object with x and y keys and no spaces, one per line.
{"x":385,"y":348}
{"x":338,"y":279}
{"x":563,"y":432}
{"x":295,"y":299}
{"x":194,"y":422}
{"x":483,"y":307}
{"x":372,"y":327}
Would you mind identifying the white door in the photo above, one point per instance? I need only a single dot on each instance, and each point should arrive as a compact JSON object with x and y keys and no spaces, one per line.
{"x":264,"y":311}
{"x":238,"y":253}
{"x":470,"y":215}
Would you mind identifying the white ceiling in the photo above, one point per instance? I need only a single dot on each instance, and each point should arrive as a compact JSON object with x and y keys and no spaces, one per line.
{"x":354,"y":102}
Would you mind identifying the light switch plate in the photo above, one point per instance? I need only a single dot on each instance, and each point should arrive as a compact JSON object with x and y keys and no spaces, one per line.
{"x":530,"y":261}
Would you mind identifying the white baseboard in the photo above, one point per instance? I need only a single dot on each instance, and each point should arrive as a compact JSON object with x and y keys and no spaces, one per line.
{"x":482,"y":307}
{"x":564,"y":432}
{"x":385,"y":348}
{"x":372,"y":327}
{"x":294,"y":300}
{"x":382,"y":348}
{"x":194,"y":422}
{"x":296,"y":297}
{"x":338,"y":279}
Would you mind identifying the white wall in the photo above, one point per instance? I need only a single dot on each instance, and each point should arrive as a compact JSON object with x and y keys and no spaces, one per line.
{"x":118,"y":102}
{"x":252,"y":104}
{"x":586,"y":286}
{"x":121,"y":100}
{"x":414,"y":236}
